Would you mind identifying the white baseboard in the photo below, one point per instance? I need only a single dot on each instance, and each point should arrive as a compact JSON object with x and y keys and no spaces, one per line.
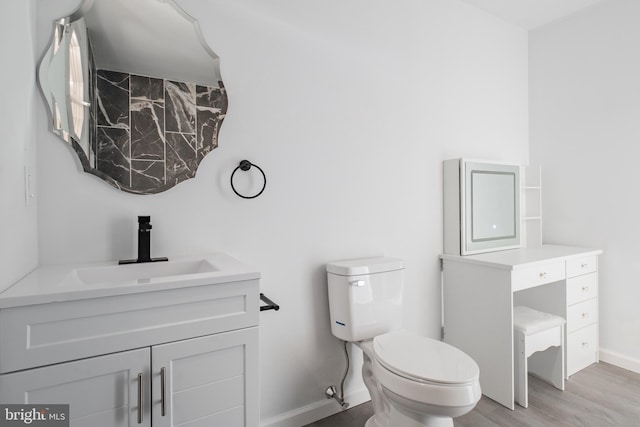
{"x":620,"y":360}
{"x":315,"y":411}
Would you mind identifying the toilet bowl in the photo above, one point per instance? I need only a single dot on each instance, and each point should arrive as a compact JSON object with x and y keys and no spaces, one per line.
{"x":424,"y":382}
{"x":413,"y":381}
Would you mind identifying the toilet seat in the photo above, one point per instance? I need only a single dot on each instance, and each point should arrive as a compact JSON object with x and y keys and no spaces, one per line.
{"x":426,"y":371}
{"x":422,"y":359}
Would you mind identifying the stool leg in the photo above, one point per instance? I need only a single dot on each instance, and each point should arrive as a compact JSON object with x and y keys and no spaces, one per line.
{"x":557,"y":379}
{"x":521,"y":379}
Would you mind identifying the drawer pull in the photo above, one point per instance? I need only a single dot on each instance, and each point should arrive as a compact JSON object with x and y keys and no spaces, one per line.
{"x":163,"y":391}
{"x":585,"y":289}
{"x":584,"y":265}
{"x":543,"y":274}
{"x":585,"y":315}
{"x":140,"y":397}
{"x":585,"y":344}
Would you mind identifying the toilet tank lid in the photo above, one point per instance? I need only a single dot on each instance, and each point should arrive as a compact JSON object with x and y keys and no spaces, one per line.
{"x":356,"y":267}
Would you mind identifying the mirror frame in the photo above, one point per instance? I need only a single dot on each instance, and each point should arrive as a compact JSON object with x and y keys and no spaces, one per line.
{"x":142,"y":133}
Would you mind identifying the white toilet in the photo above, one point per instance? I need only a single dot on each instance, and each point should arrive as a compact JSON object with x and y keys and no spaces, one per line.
{"x":413,"y":381}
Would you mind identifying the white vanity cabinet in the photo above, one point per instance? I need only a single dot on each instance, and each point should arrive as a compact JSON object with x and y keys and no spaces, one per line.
{"x":207,"y":381}
{"x":196,"y":382}
{"x":101,"y":391}
{"x":582,"y":313}
{"x":167,"y":353}
{"x":480,"y":291}
{"x":571,"y":291}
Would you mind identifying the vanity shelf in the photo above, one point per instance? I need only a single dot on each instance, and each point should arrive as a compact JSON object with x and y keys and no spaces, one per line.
{"x":531,"y":206}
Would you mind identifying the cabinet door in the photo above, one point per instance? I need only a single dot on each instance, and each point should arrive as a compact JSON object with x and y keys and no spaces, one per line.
{"x":210,"y":381}
{"x":101,"y":391}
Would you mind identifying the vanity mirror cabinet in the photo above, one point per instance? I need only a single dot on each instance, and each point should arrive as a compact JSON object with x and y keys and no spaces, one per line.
{"x":141,"y":353}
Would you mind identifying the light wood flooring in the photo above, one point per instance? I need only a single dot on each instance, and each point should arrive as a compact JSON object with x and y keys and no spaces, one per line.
{"x":600,"y":395}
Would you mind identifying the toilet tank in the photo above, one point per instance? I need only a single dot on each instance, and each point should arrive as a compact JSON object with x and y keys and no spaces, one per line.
{"x":365,"y":297}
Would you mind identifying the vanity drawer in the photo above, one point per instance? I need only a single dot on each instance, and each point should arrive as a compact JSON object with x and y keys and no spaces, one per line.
{"x":582,"y":348}
{"x":582,"y":314}
{"x":584,"y":265}
{"x":582,"y":288}
{"x":530,"y":277}
{"x":60,"y":331}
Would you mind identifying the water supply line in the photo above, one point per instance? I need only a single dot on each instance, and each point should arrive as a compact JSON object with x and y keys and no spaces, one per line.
{"x":331,"y":392}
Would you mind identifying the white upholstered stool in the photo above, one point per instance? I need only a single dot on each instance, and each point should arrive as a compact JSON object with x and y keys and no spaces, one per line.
{"x":535,"y":331}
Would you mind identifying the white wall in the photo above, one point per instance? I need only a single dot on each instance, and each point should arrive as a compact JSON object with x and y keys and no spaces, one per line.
{"x":350,"y":108}
{"x":585,"y":109}
{"x":18,"y":222}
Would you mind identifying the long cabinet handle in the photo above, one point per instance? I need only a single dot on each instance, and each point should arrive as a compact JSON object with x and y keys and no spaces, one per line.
{"x":140,"y":396}
{"x":163,"y":391}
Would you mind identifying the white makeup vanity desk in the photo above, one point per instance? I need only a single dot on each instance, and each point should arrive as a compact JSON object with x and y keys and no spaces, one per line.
{"x":480,"y":291}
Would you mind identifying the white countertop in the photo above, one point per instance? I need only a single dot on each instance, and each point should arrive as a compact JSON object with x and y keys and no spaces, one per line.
{"x":523,"y":257}
{"x":55,"y":283}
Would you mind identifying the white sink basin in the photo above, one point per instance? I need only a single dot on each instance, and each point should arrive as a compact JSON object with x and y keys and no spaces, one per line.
{"x":82,"y":281}
{"x":142,"y":273}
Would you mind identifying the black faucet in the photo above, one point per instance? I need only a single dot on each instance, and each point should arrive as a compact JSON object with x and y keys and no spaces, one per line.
{"x":144,"y":243}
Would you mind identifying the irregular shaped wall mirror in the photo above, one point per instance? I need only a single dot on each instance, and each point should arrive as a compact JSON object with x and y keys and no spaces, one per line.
{"x":132,"y":86}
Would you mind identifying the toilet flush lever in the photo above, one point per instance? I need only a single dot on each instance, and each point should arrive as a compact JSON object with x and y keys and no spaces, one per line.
{"x":358,"y":283}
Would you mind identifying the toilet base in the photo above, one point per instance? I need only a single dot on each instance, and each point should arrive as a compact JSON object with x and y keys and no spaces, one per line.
{"x":398,"y":419}
{"x":372,"y":422}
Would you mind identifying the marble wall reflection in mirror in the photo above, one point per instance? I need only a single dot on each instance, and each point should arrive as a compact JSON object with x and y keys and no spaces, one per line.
{"x":134,"y":89}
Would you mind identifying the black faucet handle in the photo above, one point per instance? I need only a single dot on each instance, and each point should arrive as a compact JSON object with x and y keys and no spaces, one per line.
{"x":144,"y":223}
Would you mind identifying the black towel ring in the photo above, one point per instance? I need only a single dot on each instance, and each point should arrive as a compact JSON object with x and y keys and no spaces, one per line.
{"x":245,"y":165}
